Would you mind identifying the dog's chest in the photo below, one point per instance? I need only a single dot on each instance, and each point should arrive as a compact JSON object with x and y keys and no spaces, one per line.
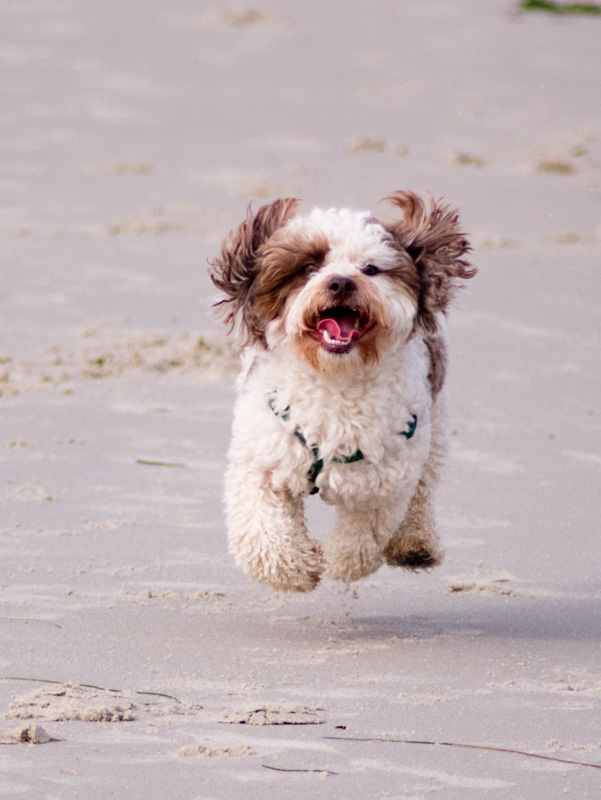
{"x":358,"y":444}
{"x":357,"y":437}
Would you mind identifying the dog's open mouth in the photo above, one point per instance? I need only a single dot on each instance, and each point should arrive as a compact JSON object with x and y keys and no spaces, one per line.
{"x":338,"y":328}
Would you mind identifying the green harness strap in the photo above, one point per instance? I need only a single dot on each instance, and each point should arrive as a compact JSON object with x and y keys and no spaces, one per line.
{"x":317,"y":465}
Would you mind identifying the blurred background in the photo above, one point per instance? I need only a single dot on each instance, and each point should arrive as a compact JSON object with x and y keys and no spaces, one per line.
{"x":135,"y":134}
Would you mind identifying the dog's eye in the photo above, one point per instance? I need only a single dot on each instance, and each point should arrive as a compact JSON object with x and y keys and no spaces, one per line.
{"x":310,"y":268}
{"x":370,"y":270}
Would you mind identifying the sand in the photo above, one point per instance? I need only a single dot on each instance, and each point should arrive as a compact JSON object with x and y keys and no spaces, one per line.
{"x":136,"y":660}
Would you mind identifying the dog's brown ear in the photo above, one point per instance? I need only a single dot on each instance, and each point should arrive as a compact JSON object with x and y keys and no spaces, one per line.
{"x":234,"y":271}
{"x":432,"y":237}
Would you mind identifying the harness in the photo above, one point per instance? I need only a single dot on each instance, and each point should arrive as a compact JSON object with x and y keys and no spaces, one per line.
{"x":318,"y":462}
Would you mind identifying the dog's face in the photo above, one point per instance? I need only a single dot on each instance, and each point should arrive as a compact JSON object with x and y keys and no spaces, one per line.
{"x":335,"y":287}
{"x":339,"y":287}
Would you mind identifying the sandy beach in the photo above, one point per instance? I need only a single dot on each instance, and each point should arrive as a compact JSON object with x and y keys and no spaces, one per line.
{"x":136,"y":660}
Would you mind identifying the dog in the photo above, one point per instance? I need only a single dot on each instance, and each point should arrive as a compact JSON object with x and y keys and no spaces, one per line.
{"x":344,"y":351}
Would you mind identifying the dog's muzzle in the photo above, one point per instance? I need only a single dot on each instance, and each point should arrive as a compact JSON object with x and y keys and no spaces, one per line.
{"x":338,"y":328}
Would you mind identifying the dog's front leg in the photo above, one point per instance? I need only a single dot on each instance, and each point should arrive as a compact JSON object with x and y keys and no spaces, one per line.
{"x":356,"y":545}
{"x":267,"y":532}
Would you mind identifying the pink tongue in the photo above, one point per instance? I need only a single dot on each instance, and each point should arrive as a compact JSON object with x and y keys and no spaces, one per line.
{"x":341,"y":330}
{"x":331,"y":326}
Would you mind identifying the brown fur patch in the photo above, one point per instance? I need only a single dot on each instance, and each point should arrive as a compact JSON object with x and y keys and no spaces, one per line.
{"x":235,"y":270}
{"x":431,"y":236}
{"x":371,"y":344}
{"x":309,"y":350}
{"x":437,"y":350}
{"x":282,"y":269}
{"x":406,"y":273}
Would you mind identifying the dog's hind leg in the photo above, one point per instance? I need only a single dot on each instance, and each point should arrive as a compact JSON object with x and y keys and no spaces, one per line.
{"x":267,"y":532}
{"x":416,"y":545}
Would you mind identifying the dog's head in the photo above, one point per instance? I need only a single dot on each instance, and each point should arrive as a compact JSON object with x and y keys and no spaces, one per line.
{"x":337,"y":286}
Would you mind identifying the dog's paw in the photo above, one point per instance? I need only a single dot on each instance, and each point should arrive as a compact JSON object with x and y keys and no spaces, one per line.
{"x":298,"y":570}
{"x":413,"y":553}
{"x":348,"y":564}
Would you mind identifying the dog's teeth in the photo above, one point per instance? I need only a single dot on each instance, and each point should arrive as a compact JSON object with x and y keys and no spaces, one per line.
{"x":327,"y":337}
{"x":356,"y":323}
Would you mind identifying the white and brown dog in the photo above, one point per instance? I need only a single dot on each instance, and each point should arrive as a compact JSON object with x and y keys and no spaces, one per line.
{"x":342,"y":387}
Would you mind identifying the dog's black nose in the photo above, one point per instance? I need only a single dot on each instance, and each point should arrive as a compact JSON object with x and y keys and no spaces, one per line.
{"x":341,"y":285}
